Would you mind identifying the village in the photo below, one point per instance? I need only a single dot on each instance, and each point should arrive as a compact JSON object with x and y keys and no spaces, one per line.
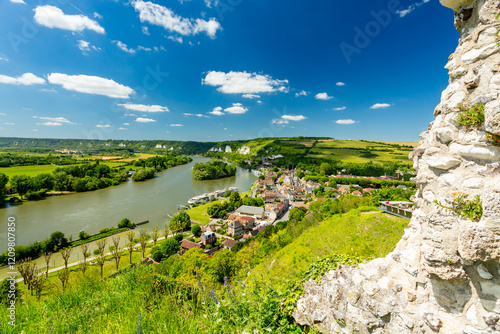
{"x":279,"y":190}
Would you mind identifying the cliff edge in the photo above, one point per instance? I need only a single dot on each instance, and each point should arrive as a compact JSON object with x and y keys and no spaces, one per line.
{"x":444,"y":275}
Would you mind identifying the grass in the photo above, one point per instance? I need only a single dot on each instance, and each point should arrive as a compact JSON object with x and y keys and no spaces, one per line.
{"x":364,"y":234}
{"x":98,"y":236}
{"x":199,"y":214}
{"x":27,"y":170}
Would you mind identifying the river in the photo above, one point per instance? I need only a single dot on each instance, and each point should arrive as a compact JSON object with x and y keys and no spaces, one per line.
{"x":90,"y":211}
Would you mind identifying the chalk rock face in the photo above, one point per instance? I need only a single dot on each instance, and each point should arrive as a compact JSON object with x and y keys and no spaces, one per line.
{"x":444,"y":275}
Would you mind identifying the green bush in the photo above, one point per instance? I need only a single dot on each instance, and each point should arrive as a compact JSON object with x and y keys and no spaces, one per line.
{"x":473,"y":117}
{"x":157,"y":256}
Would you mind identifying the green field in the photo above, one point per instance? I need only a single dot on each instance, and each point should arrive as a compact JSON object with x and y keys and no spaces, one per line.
{"x":27,"y":170}
{"x":199,"y":214}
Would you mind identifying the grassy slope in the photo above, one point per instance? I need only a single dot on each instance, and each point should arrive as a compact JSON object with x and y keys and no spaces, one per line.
{"x":367,"y":235}
{"x":27,"y":170}
{"x":199,"y":214}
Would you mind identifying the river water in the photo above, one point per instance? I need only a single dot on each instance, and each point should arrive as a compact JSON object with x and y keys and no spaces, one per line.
{"x":139,"y":201}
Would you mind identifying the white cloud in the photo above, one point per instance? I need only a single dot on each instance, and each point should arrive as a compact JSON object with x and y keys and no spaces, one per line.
{"x":3,"y":58}
{"x":217,"y":111}
{"x":126,"y":124}
{"x":143,"y":107}
{"x":404,"y":12}
{"x":175,"y":125}
{"x":103,"y":126}
{"x":251,"y":96}
{"x":97,"y":16}
{"x":345,"y":121}
{"x":122,"y":128}
{"x":166,"y":18}
{"x":323,"y":96}
{"x":49,"y":124}
{"x":85,"y":46}
{"x":340,"y":83}
{"x":8,"y":123}
{"x":285,"y":119}
{"x":144,"y":120}
{"x":53,"y":17}
{"x":237,"y":108}
{"x":48,"y":90}
{"x":123,"y":47}
{"x":26,"y":79}
{"x":18,"y":1}
{"x":201,"y":115}
{"x":209,"y":3}
{"x":55,"y":119}
{"x":339,"y":108}
{"x":143,"y":48}
{"x":187,"y":114}
{"x":133,"y":115}
{"x":259,"y":102}
{"x":380,"y":106}
{"x":301,"y":93}
{"x":145,"y":30}
{"x":244,"y":83}
{"x":176,"y":39}
{"x":294,"y":118}
{"x":91,"y":85}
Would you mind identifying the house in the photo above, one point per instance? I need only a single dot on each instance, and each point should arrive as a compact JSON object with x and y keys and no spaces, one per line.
{"x":208,"y":238}
{"x":235,"y":228}
{"x":270,"y":196}
{"x":251,"y":211}
{"x":187,"y":245}
{"x":247,"y":222}
{"x":229,"y":244}
{"x":357,"y":193}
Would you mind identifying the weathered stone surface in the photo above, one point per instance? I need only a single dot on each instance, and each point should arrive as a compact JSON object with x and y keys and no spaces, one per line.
{"x":444,"y":275}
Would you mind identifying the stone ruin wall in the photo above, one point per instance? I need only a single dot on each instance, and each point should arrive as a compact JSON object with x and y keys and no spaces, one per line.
{"x":444,"y":275}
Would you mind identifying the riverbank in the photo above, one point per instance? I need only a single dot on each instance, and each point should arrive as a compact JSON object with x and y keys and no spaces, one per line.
{"x":92,"y":211}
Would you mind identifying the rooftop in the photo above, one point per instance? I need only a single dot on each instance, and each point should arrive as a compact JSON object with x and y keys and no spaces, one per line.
{"x":250,"y":210}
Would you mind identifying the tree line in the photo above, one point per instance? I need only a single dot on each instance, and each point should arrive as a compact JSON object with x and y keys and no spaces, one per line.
{"x":213,"y":170}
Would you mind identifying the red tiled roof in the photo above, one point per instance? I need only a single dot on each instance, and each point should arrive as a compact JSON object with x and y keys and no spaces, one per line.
{"x":189,"y":244}
{"x":229,"y":243}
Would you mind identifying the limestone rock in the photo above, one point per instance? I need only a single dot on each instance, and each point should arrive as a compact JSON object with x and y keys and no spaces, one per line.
{"x":444,"y":275}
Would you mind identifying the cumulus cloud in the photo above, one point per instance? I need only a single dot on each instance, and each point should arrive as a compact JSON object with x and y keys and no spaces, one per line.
{"x":345,"y":121}
{"x":91,"y":85}
{"x":380,"y":106}
{"x":339,"y":108}
{"x":85,"y":46}
{"x":175,"y":125}
{"x":53,"y":17}
{"x":166,"y":18}
{"x":49,"y":124}
{"x":120,"y":128}
{"x":48,"y":90}
{"x":176,"y":39}
{"x":294,"y":118}
{"x":55,"y":119}
{"x":285,"y":119}
{"x":411,"y":8}
{"x":217,"y":111}
{"x":143,"y":107}
{"x":301,"y":93}
{"x":145,"y":30}
{"x":323,"y":96}
{"x":340,"y":83}
{"x":251,"y":96}
{"x":123,"y":47}
{"x":18,"y":1}
{"x":103,"y":126}
{"x":144,"y":120}
{"x":244,"y":83}
{"x":237,"y":108}
{"x":26,"y":79}
{"x":97,"y":15}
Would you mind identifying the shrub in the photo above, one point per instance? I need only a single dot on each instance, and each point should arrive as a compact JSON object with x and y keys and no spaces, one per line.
{"x":473,"y":117}
{"x":178,"y":237}
{"x":97,"y":252}
{"x":196,"y":230}
{"x":157,"y":256}
{"x":82,"y":235}
{"x":472,"y":209}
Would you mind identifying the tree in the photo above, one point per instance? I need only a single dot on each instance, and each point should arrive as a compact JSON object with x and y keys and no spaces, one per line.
{"x":143,"y":240}
{"x":234,"y":197}
{"x":85,"y":252}
{"x":21,"y":183}
{"x":125,"y":222}
{"x":170,"y":247}
{"x":130,"y":244}
{"x":223,"y":264}
{"x":196,"y":230}
{"x":325,"y":168}
{"x":297,"y":214}
{"x":63,"y":277}
{"x":166,"y":231}
{"x":37,"y":283}
{"x":117,"y":252}
{"x":47,"y":256}
{"x":155,"y":234}
{"x":180,"y":222}
{"x":57,"y":241}
{"x":101,"y":258}
{"x":66,"y":253}
{"x":4,"y":180}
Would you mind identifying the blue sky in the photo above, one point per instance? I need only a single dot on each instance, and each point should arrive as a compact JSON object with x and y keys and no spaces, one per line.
{"x":211,"y":70}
